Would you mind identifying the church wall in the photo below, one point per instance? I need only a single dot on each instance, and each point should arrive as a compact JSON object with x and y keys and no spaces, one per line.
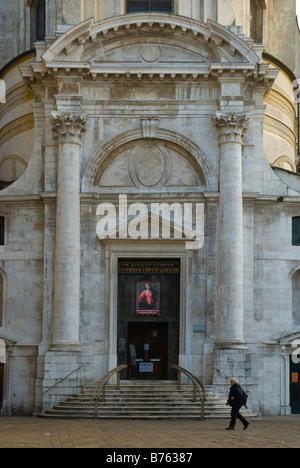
{"x":22,"y":263}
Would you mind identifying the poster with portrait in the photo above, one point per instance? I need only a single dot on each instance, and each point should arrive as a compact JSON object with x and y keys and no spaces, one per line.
{"x":148,"y":298}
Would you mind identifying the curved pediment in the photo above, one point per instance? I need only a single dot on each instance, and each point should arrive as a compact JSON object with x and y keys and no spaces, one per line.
{"x":139,"y":44}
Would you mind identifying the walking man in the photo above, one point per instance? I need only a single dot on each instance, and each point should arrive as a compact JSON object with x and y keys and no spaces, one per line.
{"x":236,"y":399}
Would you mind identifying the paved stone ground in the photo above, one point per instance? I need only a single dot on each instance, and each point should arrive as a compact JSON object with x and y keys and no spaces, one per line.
{"x":269,"y":432}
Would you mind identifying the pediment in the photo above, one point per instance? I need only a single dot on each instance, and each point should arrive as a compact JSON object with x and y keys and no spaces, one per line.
{"x":290,"y":339}
{"x":139,"y":44}
{"x":151,"y":226}
{"x":8,"y":341}
{"x":6,"y":344}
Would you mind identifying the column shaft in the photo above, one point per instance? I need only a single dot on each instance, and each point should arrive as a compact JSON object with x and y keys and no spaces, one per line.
{"x":68,"y":128}
{"x":230,"y":231}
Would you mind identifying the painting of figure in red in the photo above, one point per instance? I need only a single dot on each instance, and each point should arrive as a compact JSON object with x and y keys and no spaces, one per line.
{"x":148,"y":298}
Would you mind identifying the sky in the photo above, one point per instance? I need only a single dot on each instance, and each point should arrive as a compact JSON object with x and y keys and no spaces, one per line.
{"x":298,"y":10}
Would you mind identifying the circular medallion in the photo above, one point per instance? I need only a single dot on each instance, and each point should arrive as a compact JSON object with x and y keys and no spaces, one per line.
{"x":149,"y":165}
{"x":151,"y":53}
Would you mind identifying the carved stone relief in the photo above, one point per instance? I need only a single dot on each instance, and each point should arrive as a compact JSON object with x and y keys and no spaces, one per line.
{"x":152,"y":164}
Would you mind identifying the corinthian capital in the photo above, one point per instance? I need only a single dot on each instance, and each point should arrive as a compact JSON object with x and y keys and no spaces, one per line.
{"x":232,"y":126}
{"x":68,"y":125}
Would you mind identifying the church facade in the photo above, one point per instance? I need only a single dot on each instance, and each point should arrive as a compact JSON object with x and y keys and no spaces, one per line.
{"x":150,"y":202}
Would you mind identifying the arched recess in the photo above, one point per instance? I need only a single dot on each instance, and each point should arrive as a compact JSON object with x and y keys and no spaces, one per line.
{"x":12,"y":167}
{"x":188,"y":149}
{"x":285,"y":162}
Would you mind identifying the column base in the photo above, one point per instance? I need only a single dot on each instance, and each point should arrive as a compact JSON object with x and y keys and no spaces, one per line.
{"x":75,"y":347}
{"x":231,"y":362}
{"x":230,"y":345}
{"x":63,"y":375}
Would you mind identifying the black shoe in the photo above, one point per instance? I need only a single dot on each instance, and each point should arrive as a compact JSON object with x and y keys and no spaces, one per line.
{"x":246,"y":426}
{"x":230,"y":429}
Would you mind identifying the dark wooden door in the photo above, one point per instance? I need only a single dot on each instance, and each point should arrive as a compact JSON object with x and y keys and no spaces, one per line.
{"x":148,"y":350}
{"x":295,"y":387}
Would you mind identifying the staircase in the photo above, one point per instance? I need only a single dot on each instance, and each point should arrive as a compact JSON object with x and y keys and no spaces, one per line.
{"x":142,"y":400}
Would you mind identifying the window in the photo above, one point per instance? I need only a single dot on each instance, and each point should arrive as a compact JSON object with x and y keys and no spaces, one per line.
{"x":40,"y":20}
{"x":2,"y":230}
{"x":141,"y":6}
{"x":37,"y":20}
{"x":256,"y":20}
{"x":296,"y":231}
{"x":296,"y":298}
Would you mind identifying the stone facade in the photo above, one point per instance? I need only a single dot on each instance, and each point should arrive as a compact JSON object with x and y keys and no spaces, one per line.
{"x":151,"y":108}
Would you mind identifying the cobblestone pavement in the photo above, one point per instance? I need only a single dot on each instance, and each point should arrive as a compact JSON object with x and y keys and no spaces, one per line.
{"x":269,"y":432}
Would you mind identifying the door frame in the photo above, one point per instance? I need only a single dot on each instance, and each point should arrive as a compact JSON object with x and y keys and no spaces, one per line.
{"x":118,"y":249}
{"x":290,"y":385}
{"x":287,"y":348}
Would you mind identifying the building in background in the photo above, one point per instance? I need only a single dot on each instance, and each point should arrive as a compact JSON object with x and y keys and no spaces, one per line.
{"x":149,"y":108}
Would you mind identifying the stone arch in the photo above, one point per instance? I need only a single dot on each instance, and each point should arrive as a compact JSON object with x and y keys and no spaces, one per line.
{"x":185,"y":146}
{"x":17,"y":167}
{"x":285,"y":162}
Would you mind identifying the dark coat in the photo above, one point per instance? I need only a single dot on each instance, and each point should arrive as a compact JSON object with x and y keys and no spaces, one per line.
{"x":237,"y":392}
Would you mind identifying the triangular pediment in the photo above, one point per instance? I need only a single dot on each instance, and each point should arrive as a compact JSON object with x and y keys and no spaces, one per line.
{"x":151,"y":226}
{"x":141,"y":44}
{"x":8,"y":341}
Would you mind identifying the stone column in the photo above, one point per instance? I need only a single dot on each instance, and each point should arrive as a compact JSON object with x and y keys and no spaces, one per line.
{"x":67,"y":128}
{"x":232,"y":128}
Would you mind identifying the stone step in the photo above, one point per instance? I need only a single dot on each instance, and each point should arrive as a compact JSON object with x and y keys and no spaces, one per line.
{"x":142,"y":400}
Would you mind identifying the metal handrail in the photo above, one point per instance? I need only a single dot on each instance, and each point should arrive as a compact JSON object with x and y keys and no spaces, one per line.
{"x":101,"y":386}
{"x":62,"y":380}
{"x":228,"y":376}
{"x":197,"y":385}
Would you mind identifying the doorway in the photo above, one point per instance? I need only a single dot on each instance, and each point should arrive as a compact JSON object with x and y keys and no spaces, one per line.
{"x":148,"y":318}
{"x":294,"y":387}
{"x":148,"y":351}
